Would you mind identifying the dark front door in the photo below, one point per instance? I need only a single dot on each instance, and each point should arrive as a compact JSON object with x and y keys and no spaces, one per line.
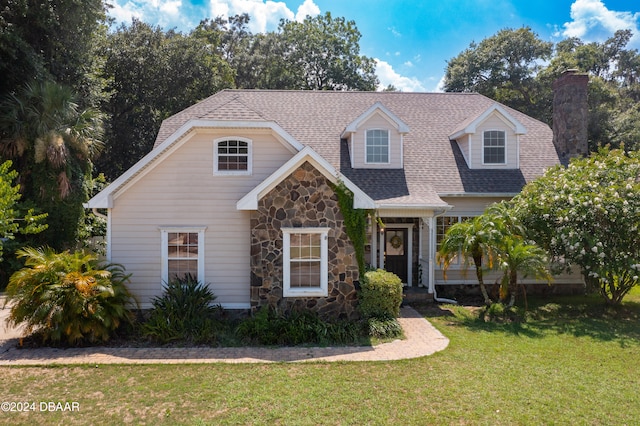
{"x":395,"y":252}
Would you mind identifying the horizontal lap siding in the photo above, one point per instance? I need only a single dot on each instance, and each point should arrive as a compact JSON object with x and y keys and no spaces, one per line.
{"x":182,"y":191}
{"x":377,"y":121}
{"x":477,"y":145}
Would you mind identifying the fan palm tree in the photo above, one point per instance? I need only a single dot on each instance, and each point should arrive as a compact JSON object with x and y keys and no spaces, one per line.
{"x":42,"y":126}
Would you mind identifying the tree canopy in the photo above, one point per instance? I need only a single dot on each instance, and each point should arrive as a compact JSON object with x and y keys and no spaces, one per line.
{"x":588,"y":214}
{"x":517,"y":68}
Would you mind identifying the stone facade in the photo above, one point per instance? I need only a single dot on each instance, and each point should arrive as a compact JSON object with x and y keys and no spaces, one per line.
{"x":303,"y":199}
{"x":570,"y":110}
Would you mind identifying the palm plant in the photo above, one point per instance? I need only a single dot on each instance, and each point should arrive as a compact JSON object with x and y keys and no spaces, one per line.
{"x":68,"y":296}
{"x":42,"y":124}
{"x":515,"y":255}
{"x":471,"y":239}
{"x":52,"y":142}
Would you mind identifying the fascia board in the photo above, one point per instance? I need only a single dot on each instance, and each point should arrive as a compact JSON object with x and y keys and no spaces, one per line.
{"x":250,"y":200}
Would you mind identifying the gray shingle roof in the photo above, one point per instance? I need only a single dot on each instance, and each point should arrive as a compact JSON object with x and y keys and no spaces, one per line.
{"x":433,"y":164}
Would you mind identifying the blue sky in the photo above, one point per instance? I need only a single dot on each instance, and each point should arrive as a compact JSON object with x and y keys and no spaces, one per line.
{"x":411,"y":40}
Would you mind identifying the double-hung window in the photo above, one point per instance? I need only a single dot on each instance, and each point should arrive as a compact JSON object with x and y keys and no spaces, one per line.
{"x":182,"y":252}
{"x":305,"y":262}
{"x":377,"y":146}
{"x":494,"y":147}
{"x":443,"y":223}
{"x":232,"y":156}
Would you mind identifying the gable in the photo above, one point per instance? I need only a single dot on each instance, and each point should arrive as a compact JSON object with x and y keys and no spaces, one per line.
{"x":376,"y":139}
{"x":250,"y":201}
{"x":104,"y":199}
{"x":490,"y":140}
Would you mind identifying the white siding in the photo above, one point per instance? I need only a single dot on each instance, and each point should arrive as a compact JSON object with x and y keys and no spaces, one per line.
{"x":376,"y":121}
{"x":494,"y":122}
{"x":181,"y":191}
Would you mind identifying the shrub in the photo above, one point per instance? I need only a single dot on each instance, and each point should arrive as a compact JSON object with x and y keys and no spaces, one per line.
{"x":383,"y":328}
{"x":380,"y":295}
{"x":185,"y":312}
{"x":68,"y":297}
{"x":268,"y":327}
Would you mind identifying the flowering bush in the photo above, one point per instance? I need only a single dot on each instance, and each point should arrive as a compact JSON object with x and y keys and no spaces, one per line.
{"x":588,"y":214}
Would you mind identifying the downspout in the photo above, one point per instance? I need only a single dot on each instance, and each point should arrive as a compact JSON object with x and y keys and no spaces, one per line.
{"x":432,"y":251}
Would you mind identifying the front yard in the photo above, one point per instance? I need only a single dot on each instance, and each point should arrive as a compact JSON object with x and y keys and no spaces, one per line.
{"x":571,"y":362}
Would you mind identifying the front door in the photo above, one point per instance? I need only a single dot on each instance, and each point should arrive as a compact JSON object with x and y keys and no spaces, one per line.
{"x":395,"y":252}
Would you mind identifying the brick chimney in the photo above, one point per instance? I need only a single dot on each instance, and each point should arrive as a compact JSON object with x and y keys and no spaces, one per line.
{"x":570,"y":110}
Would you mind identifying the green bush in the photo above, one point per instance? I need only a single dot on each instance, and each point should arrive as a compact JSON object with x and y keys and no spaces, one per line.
{"x":380,"y":295}
{"x":184,"y":312}
{"x":69,"y":297}
{"x":380,"y":328}
{"x":268,"y":327}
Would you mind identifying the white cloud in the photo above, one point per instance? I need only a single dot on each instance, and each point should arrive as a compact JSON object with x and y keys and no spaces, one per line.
{"x":308,"y":8}
{"x":395,"y":32}
{"x":165,"y":13}
{"x":264,"y":15}
{"x":387,"y":76}
{"x":593,"y":21}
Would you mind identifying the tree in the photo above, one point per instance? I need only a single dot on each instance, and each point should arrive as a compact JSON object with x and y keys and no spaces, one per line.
{"x":518,"y":69}
{"x":51,"y":40}
{"x":588,"y":214}
{"x":496,"y":236}
{"x":11,"y":220}
{"x":502,"y":67}
{"x":323,"y":53}
{"x":516,"y":256}
{"x":152,"y":75}
{"x":52,"y":142}
{"x":470,"y":240}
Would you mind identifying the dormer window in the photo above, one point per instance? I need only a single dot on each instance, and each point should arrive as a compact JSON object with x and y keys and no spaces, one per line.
{"x":377,"y":146}
{"x":232,"y":156}
{"x":494,"y":148}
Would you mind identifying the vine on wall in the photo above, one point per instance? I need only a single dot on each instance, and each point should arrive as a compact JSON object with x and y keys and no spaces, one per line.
{"x":355,"y":223}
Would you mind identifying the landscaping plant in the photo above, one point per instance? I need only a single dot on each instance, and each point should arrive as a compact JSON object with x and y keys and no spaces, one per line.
{"x":380,"y":294}
{"x":269,"y":327}
{"x":588,"y":214}
{"x":184,"y":312}
{"x":68,"y":297}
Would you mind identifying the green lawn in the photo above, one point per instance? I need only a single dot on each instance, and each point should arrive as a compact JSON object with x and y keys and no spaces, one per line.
{"x":572,"y":362}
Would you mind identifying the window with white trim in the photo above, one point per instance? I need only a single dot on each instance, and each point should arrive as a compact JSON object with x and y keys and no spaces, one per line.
{"x":443,"y":223}
{"x":305,"y":262}
{"x":377,"y":146}
{"x":232,"y":156}
{"x":182,"y":252}
{"x":494,"y":147}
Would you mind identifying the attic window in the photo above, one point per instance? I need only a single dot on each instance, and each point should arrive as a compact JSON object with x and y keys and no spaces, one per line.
{"x":494,"y":147}
{"x":377,"y":146}
{"x":232,"y":156}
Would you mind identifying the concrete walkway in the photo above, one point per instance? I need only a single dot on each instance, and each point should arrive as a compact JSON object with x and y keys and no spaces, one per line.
{"x":422,"y":339}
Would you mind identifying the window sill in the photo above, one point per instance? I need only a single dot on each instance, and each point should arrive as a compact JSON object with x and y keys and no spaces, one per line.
{"x":312,"y":292}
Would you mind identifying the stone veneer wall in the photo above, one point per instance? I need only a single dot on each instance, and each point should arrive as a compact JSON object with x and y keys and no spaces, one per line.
{"x":570,"y":110}
{"x":303,"y":199}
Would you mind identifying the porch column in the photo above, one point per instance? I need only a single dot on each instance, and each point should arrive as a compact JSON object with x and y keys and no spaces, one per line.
{"x":432,"y":253}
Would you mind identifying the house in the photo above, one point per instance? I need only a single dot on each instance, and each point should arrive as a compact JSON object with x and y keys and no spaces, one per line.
{"x":238,"y":190}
